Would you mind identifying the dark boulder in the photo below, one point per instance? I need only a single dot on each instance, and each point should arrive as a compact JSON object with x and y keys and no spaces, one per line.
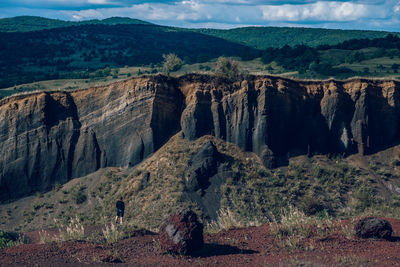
{"x":372,"y":227}
{"x":204,"y":165}
{"x":181,"y":233}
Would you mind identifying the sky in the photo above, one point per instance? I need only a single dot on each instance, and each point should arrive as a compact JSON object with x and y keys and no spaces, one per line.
{"x":358,"y":14}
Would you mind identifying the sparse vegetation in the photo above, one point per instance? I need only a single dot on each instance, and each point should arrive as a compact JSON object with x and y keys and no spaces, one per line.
{"x":10,"y":239}
{"x":78,"y":194}
{"x":73,"y":230}
{"x":296,"y":230}
{"x":112,"y":233}
{"x":226,"y":220}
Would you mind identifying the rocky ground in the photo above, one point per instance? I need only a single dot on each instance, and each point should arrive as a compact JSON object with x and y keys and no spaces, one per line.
{"x":253,"y":246}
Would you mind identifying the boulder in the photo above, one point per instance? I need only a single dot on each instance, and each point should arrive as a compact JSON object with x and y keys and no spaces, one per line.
{"x":372,"y":227}
{"x":181,"y":233}
{"x":204,"y":165}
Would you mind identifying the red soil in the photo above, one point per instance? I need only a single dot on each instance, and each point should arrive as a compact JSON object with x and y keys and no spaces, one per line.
{"x":253,"y":246}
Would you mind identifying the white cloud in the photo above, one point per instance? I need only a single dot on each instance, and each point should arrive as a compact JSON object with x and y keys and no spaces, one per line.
{"x":98,"y":2}
{"x":319,"y":11}
{"x":86,"y":14}
{"x":396,"y":8}
{"x":372,"y":14}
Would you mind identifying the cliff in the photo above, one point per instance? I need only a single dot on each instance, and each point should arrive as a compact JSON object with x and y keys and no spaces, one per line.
{"x":51,"y":137}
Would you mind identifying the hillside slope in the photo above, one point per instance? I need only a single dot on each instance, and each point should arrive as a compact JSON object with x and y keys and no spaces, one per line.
{"x":255,"y":37}
{"x":224,"y":185}
{"x":75,"y":51}
{"x":264,"y":37}
{"x":33,"y":23}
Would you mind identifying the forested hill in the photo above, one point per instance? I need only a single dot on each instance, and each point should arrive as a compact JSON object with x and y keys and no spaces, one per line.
{"x":255,"y":37}
{"x":32,"y":23}
{"x":72,"y":51}
{"x":265,"y":37}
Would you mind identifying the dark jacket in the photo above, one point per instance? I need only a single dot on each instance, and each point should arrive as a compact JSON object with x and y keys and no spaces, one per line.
{"x":120,"y":205}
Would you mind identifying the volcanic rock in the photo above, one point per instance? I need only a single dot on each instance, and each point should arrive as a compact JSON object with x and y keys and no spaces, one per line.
{"x":52,"y":137}
{"x":204,"y":165}
{"x":181,"y":233}
{"x":372,"y":227}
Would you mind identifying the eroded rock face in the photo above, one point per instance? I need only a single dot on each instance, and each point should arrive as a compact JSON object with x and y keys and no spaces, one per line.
{"x":56,"y":136}
{"x":277,"y":118}
{"x":53,"y":137}
{"x":181,"y":233}
{"x":372,"y":227}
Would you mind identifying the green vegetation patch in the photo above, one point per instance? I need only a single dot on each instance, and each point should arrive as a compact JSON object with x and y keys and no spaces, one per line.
{"x":9,"y":239}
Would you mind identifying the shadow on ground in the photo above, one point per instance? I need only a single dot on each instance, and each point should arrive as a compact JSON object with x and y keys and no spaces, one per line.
{"x":394,"y":239}
{"x":210,"y":250}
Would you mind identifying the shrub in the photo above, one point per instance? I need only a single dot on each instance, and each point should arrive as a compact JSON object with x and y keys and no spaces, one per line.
{"x":364,"y":196}
{"x":74,"y":230}
{"x":80,"y":197}
{"x":57,"y":186}
{"x":227,"y":68}
{"x":112,"y":234}
{"x":45,"y":237}
{"x":171,"y":63}
{"x":10,"y":239}
{"x":311,"y":205}
{"x":78,"y":194}
{"x":226,"y":220}
{"x":297,"y":230}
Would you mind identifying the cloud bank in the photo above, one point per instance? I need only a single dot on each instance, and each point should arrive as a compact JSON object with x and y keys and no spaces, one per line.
{"x":361,"y":14}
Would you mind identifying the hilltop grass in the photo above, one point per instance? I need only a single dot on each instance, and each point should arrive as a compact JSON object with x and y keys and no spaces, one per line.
{"x":372,"y":68}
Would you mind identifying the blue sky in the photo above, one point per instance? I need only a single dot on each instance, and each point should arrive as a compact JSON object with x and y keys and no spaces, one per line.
{"x":362,"y":14}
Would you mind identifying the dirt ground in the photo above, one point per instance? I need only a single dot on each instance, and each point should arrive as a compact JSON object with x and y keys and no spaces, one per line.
{"x":253,"y":246}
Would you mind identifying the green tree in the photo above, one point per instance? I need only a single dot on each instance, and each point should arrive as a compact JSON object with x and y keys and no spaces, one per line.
{"x":171,"y":63}
{"x":115,"y":73}
{"x":227,"y":68}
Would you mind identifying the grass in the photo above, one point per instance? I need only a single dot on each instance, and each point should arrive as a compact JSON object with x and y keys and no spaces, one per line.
{"x":377,"y":67}
{"x":348,"y":261}
{"x":112,"y":234}
{"x":227,"y":219}
{"x":74,"y":230}
{"x":249,"y":195}
{"x":9,"y":239}
{"x":296,"y":230}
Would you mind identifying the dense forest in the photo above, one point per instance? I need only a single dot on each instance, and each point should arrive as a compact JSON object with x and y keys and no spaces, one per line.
{"x":32,"y":23}
{"x":73,"y":52}
{"x":265,"y":37}
{"x":305,"y":58}
{"x":70,"y":50}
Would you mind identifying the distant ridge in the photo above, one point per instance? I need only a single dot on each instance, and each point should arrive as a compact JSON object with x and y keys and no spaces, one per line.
{"x":33,"y":23}
{"x":254,"y":37}
{"x":264,"y":37}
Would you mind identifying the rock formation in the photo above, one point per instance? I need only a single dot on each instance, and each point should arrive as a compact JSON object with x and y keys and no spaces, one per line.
{"x":181,"y":233}
{"x":204,"y":176}
{"x":48,"y":137}
{"x":372,"y":227}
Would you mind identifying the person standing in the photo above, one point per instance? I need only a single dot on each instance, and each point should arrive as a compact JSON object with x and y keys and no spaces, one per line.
{"x":120,"y":210}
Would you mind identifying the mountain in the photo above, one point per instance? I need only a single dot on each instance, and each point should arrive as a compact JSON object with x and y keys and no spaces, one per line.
{"x":33,"y":23}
